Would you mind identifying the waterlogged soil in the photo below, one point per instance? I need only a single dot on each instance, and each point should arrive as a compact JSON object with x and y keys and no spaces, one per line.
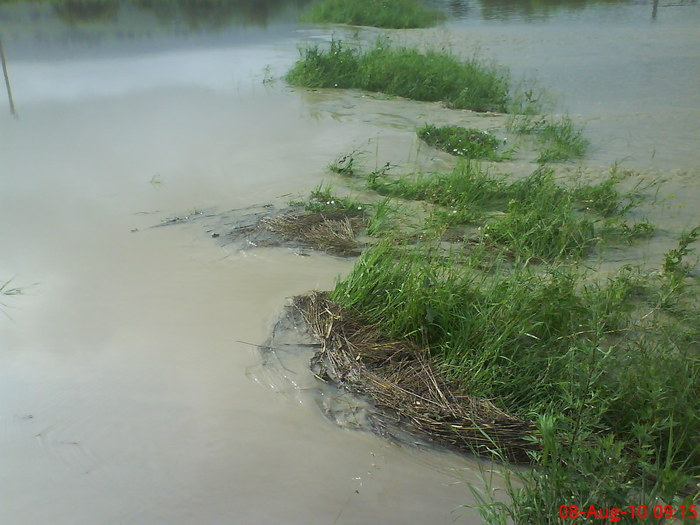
{"x":132,"y":387}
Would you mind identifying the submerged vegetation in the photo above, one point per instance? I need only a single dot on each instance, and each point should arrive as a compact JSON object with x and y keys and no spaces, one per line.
{"x":535,"y":218}
{"x":397,"y":14}
{"x":7,"y":290}
{"x":556,"y":139}
{"x":431,"y":76}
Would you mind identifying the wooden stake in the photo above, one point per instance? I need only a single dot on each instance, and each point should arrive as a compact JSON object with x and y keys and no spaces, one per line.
{"x":13,"y":111}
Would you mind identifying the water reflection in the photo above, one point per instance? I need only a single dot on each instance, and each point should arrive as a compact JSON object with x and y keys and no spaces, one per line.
{"x":195,"y":15}
{"x":76,"y":12}
{"x":518,"y":9}
{"x":216,"y":14}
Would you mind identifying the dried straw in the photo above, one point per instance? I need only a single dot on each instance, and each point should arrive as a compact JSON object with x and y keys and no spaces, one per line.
{"x":330,"y":231}
{"x":401,"y":380}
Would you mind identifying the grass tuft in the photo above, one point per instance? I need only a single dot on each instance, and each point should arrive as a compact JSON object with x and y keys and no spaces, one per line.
{"x":557,"y":139}
{"x":430,"y":76}
{"x":535,"y":218}
{"x":461,"y":142}
{"x":323,"y":199}
{"x":542,"y":222}
{"x":396,"y":14}
{"x":561,"y":140}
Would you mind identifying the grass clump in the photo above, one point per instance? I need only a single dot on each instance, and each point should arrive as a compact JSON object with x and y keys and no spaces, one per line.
{"x":430,"y":76}
{"x":673,"y":262}
{"x":561,"y":140}
{"x":534,"y":218}
{"x":611,"y":381}
{"x":326,"y":222}
{"x":466,"y":187}
{"x":323,"y":199}
{"x":6,"y":289}
{"x":461,"y":142}
{"x":396,"y":14}
{"x":557,"y":139}
{"x":542,"y":221}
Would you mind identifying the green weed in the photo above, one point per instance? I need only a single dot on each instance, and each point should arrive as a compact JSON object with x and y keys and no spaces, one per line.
{"x":7,"y":290}
{"x":561,"y":140}
{"x":430,"y":76}
{"x":542,"y":222}
{"x":622,"y":231}
{"x":557,"y":140}
{"x":465,"y":187}
{"x":525,"y":124}
{"x":535,"y":217}
{"x":673,"y":262}
{"x":397,"y":14}
{"x":461,"y":142}
{"x":323,"y":199}
{"x":384,"y":219}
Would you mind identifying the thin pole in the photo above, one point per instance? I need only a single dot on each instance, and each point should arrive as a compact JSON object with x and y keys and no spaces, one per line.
{"x":7,"y":81}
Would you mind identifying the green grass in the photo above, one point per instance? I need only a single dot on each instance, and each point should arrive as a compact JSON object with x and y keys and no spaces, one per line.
{"x":673,"y":263}
{"x":466,"y":186}
{"x":616,"y":393}
{"x":561,"y":140}
{"x":556,"y":139}
{"x":384,"y":220}
{"x":430,"y":76}
{"x":541,"y":221}
{"x":536,"y":218}
{"x":396,"y":14}
{"x":461,"y":142}
{"x":323,"y":199}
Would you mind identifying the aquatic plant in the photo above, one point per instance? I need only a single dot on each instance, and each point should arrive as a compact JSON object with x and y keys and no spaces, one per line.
{"x":383,"y":220}
{"x":430,"y":76}
{"x":397,"y":14}
{"x":555,"y":139}
{"x":461,"y":142}
{"x":6,"y":289}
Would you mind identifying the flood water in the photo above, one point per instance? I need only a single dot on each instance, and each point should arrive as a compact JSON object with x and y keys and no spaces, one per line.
{"x":130,"y":389}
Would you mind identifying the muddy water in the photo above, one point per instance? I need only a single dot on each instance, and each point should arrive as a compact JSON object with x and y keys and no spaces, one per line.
{"x":128,"y":390}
